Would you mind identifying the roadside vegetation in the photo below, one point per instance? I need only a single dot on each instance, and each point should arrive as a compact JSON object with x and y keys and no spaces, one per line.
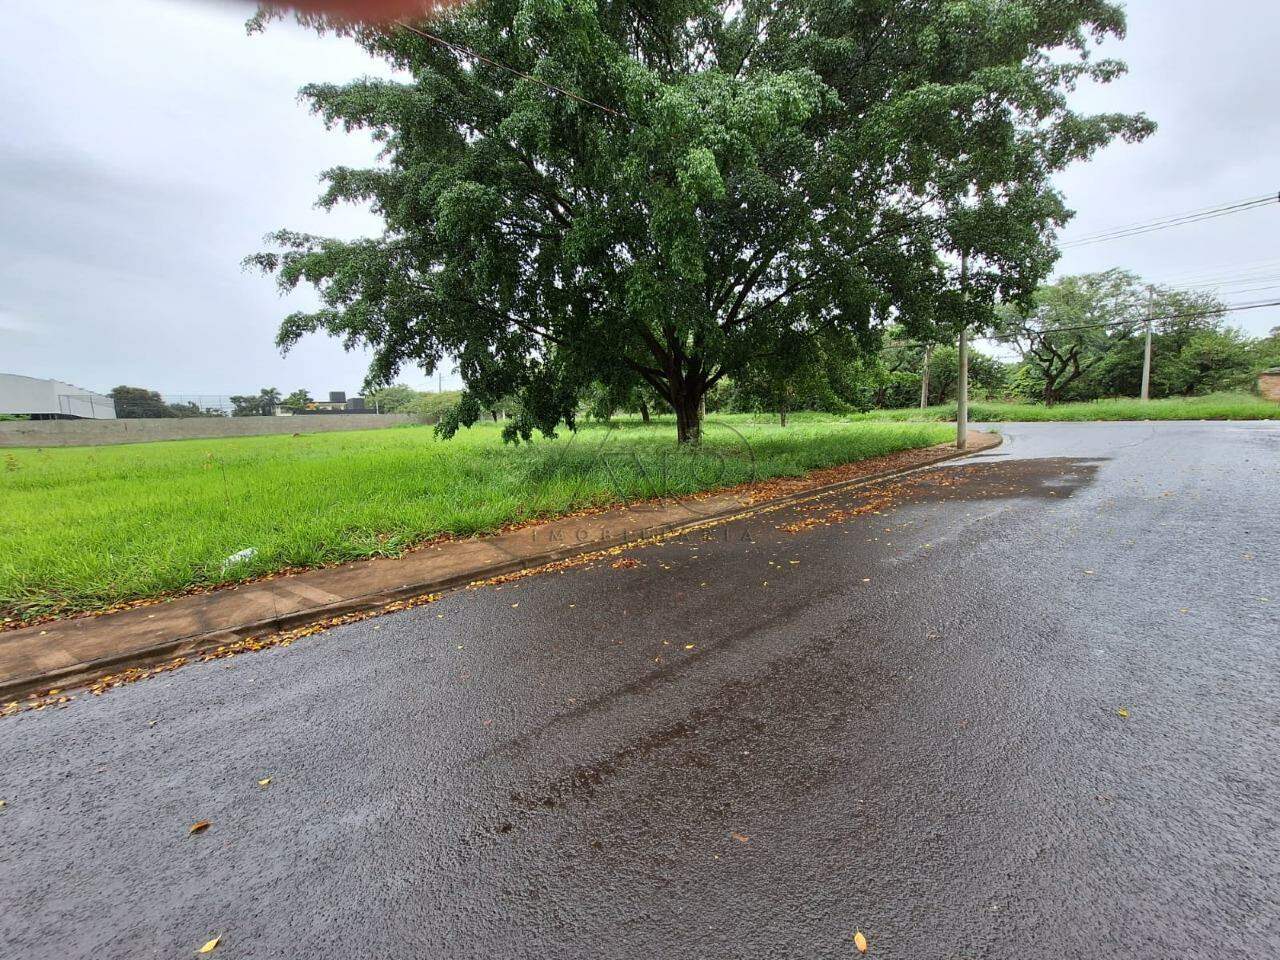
{"x":85,"y":528}
{"x":1216,"y":406}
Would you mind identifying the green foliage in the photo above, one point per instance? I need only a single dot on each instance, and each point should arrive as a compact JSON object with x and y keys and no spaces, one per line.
{"x":1218,"y":406}
{"x":1264,"y":354}
{"x":396,"y":398}
{"x":430,"y":407}
{"x":825,"y":373}
{"x":140,"y":403}
{"x":298,"y":400}
{"x":1193,"y":351}
{"x":987,"y":376}
{"x":88,"y":527}
{"x":263,"y":405}
{"x":764,"y":172}
{"x":1057,"y":332}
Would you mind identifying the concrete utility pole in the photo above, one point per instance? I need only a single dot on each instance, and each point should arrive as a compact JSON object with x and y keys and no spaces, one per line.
{"x":962,"y":384}
{"x":924,"y":376}
{"x":1146,"y":355}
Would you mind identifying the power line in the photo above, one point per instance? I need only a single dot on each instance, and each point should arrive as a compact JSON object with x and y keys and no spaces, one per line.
{"x":1132,"y":322}
{"x":1135,"y":321}
{"x":1165,"y":223}
{"x":468,"y":52}
{"x":1199,"y":211}
{"x":1236,"y":287}
{"x":1215,"y":283}
{"x":1220,"y":269}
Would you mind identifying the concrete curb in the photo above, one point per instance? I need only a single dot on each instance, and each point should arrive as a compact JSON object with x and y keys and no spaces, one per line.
{"x":79,"y":674}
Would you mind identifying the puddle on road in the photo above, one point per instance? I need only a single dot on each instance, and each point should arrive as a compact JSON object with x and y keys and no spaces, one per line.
{"x":1048,"y":479}
{"x":1045,"y":478}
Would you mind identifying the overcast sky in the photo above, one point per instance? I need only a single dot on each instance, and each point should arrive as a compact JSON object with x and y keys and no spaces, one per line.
{"x":149,"y":144}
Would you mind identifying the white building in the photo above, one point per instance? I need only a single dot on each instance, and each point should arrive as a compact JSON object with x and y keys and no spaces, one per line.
{"x":52,"y":398}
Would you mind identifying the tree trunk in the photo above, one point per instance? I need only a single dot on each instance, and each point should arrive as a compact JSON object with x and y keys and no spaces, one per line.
{"x":644,"y":412}
{"x":688,"y":407}
{"x":782,"y":415}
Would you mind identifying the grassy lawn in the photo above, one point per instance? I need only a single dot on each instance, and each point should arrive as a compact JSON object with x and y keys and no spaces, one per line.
{"x":88,"y":527}
{"x":1217,"y":406}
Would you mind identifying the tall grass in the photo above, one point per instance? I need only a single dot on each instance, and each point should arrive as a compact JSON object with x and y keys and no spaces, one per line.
{"x":1217,"y":406}
{"x":87,"y":527}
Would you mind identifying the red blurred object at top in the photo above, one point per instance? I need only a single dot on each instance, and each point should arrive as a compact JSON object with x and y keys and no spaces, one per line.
{"x":370,"y":11}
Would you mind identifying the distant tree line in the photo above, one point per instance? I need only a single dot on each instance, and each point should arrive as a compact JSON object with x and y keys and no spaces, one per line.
{"x":140,"y":403}
{"x":1079,"y":339}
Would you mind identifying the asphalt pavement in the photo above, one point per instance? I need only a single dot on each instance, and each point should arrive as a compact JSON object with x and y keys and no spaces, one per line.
{"x":1025,"y":705}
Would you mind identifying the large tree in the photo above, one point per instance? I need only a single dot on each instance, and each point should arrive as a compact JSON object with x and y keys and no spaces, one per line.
{"x":1061,"y":332}
{"x":703,"y":181}
{"x":1083,"y":337}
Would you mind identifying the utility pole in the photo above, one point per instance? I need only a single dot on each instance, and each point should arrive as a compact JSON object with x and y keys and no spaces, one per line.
{"x":924,"y":376}
{"x":1146,"y":355}
{"x":962,"y":384}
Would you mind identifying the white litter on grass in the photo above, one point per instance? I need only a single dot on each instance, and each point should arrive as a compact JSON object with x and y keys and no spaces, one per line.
{"x":240,"y":556}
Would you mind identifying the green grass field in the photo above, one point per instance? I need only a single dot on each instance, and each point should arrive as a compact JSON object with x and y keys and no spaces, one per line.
{"x":88,"y":527}
{"x":1217,"y":406}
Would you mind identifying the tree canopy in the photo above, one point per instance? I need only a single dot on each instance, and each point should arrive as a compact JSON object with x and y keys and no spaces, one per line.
{"x":709,"y":184}
{"x":1070,"y":354}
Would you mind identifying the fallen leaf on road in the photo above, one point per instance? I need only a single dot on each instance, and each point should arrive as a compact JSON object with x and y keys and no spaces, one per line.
{"x":198,"y":826}
{"x":264,"y":782}
{"x":1122,"y":713}
{"x":860,"y":941}
{"x":211,"y":945}
{"x":689,"y":646}
{"x":740,"y":837}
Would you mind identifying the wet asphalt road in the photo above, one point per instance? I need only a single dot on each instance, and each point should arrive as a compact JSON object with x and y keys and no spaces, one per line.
{"x":912,"y":729}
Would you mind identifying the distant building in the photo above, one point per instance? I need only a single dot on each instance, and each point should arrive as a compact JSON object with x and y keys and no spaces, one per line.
{"x":52,"y":400}
{"x":337,"y":403}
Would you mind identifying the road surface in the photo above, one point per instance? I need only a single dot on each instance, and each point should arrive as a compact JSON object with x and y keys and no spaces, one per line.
{"x":897,"y":711}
